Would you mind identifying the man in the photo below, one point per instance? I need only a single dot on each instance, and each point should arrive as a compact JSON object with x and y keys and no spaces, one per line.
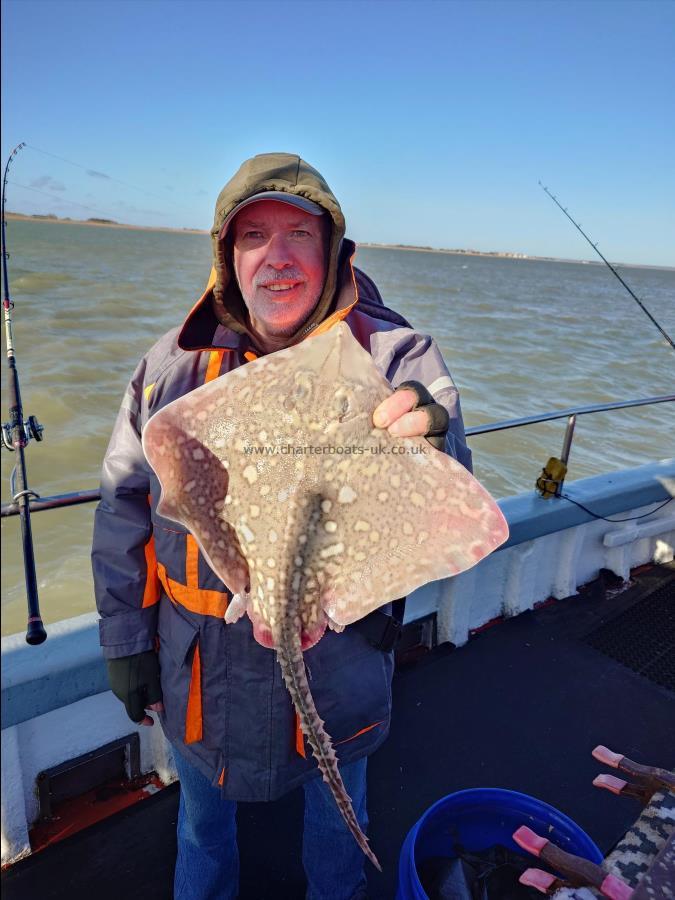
{"x":282,"y":272}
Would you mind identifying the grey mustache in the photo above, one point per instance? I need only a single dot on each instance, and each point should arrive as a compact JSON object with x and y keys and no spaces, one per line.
{"x":273,"y":277}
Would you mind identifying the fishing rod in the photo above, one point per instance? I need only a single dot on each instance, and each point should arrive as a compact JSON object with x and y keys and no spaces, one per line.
{"x":15,"y":436}
{"x":609,"y":265}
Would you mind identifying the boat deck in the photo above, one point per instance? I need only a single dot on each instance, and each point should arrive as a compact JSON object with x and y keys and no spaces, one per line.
{"x":521,"y":706}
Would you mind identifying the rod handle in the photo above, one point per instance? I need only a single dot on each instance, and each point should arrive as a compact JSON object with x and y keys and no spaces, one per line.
{"x":35,"y":631}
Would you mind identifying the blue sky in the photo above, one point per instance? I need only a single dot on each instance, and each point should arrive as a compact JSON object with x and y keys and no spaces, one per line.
{"x":431,"y":121}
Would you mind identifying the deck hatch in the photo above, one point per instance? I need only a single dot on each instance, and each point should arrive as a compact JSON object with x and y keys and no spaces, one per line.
{"x":642,"y":637}
{"x":120,"y":758}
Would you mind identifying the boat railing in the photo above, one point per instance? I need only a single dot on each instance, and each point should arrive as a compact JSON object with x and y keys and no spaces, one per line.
{"x":75,"y":498}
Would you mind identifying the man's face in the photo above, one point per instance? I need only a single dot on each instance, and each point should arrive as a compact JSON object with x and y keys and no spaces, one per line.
{"x":280,"y":264}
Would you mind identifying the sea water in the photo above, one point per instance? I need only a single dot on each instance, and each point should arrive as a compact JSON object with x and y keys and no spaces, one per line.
{"x":519,"y":336}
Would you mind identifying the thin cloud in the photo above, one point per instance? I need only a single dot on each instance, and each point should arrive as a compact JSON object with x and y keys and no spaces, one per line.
{"x":137,"y":210}
{"x":95,"y":174}
{"x":46,"y":181}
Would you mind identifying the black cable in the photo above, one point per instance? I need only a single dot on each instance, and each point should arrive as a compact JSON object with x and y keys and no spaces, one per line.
{"x":605,"y":519}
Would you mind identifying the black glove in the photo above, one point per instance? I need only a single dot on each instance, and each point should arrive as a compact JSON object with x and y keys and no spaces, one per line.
{"x":135,"y":681}
{"x":438,"y":417}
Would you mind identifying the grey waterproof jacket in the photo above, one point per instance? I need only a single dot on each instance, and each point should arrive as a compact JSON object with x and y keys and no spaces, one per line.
{"x":226,"y":706}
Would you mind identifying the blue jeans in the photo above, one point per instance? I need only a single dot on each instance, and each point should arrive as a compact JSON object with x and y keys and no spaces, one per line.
{"x":207,"y":865}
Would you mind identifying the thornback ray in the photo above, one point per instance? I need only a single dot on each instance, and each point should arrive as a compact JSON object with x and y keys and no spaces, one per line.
{"x":309,"y":514}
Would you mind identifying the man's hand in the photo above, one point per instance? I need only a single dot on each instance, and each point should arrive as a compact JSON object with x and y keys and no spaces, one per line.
{"x":135,"y":681}
{"x":411,"y":411}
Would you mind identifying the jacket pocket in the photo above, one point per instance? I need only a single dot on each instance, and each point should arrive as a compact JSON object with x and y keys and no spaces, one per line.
{"x":180,"y":666}
{"x":350,"y":681}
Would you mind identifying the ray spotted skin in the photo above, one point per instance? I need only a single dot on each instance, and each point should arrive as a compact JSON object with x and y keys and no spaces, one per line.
{"x":307,"y":512}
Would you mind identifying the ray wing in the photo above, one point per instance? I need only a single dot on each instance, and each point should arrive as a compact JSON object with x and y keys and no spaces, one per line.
{"x":194,"y":484}
{"x":398,"y":520}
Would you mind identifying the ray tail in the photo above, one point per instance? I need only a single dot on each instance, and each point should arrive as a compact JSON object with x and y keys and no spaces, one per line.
{"x":289,"y":654}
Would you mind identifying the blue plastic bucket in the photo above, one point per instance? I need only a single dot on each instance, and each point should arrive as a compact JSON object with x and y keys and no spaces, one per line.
{"x":477,"y":819}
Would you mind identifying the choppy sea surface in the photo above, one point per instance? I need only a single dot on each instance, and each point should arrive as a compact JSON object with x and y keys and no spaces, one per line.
{"x":520,"y":337}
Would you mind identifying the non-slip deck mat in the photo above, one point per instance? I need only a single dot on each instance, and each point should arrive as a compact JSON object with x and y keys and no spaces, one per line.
{"x":643,"y":637}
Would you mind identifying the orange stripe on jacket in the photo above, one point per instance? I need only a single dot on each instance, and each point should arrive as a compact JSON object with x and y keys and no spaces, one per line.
{"x":196,"y":600}
{"x":299,"y":738}
{"x":359,"y":733}
{"x":193,"y":716}
{"x":191,"y":563}
{"x":151,"y":593}
{"x":214,"y":364}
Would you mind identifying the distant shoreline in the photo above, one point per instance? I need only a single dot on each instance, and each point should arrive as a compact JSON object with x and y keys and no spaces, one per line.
{"x":496,"y":254}
{"x":109,"y":223}
{"x":100,"y":223}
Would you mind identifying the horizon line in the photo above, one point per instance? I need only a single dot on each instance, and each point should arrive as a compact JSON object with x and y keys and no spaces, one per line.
{"x":97,"y":222}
